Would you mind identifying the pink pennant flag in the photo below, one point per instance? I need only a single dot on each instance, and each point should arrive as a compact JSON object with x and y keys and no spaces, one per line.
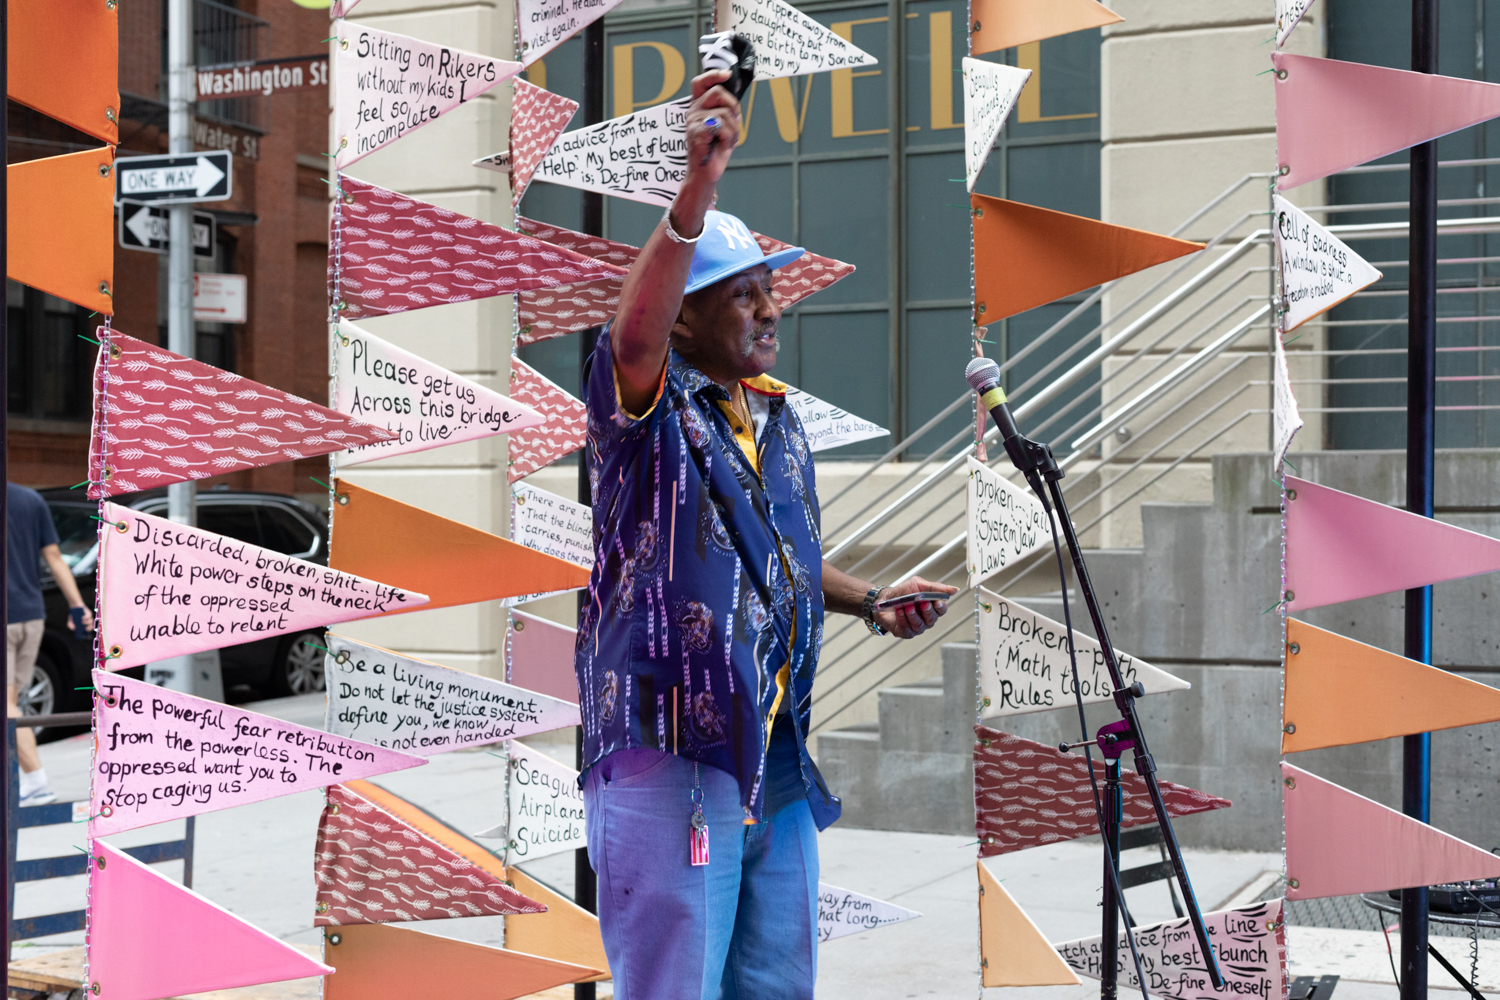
{"x":170,"y":590}
{"x":541,"y":656}
{"x":161,"y":754}
{"x":388,"y":85}
{"x":372,"y":867}
{"x":149,"y":937}
{"x":622,"y":255}
{"x":545,"y":313}
{"x":537,"y":118}
{"x":791,"y":283}
{"x":423,"y":405}
{"x":398,"y":253}
{"x":562,"y":434}
{"x":1333,"y":115}
{"x":1027,"y":794}
{"x":161,"y":418}
{"x":1339,"y":843}
{"x":1341,"y":547}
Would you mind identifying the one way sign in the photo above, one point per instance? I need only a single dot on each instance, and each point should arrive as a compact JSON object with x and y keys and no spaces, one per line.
{"x":144,"y":227}
{"x":166,"y":180}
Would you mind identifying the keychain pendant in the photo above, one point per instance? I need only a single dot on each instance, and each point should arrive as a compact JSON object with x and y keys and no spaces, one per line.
{"x":698,"y":839}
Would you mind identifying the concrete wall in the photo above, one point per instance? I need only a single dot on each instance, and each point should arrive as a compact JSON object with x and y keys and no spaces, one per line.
{"x":1187,"y":112}
{"x":466,"y":482}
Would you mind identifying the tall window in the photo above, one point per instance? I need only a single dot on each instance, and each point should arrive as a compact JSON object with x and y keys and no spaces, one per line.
{"x":866,"y":166}
{"x":50,"y":362}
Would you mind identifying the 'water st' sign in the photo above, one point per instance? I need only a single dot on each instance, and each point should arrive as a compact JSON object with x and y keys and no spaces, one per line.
{"x":166,"y":180}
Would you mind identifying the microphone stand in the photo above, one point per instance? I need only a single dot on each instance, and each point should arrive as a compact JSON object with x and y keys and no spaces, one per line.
{"x":1036,"y":462}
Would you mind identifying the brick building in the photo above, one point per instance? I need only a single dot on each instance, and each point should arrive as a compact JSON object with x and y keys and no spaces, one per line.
{"x":274,"y":230}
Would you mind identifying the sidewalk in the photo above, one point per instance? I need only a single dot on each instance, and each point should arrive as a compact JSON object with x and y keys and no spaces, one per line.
{"x":256,"y":860}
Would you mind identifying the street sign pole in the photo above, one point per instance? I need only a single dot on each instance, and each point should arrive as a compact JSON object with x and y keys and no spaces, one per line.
{"x":181,"y":333}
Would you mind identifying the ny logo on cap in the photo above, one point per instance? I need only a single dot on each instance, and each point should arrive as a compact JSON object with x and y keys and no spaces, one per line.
{"x":735,"y":230}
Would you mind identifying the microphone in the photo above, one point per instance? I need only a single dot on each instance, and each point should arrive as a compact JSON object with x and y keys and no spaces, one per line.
{"x":983,"y":376}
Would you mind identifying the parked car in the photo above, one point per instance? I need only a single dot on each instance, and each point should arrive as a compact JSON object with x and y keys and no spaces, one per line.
{"x":277,"y":665}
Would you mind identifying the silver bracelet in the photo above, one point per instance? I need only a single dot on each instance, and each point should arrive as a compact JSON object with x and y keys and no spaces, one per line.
{"x":674,"y":235}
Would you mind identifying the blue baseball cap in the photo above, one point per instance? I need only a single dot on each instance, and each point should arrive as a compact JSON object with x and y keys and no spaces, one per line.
{"x":726,"y":248}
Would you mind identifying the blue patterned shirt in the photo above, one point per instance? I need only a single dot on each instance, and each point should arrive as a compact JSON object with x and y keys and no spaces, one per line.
{"x":705,"y":611}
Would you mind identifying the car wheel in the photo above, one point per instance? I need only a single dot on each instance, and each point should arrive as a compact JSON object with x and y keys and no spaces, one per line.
{"x":299,"y":670}
{"x":43,"y":694}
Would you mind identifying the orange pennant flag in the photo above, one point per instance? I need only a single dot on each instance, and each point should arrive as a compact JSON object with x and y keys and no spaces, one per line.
{"x":64,"y":61}
{"x":1026,"y":256}
{"x":397,"y":542}
{"x":566,"y":932}
{"x":1339,"y":691}
{"x":378,"y":960}
{"x":60,"y":226}
{"x":1001,"y":24}
{"x":1012,"y":950}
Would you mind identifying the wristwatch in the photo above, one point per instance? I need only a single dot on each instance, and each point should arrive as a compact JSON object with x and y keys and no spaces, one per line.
{"x":867,"y":611}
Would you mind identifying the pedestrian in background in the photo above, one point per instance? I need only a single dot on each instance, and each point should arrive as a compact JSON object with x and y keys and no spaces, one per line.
{"x":31,"y":537}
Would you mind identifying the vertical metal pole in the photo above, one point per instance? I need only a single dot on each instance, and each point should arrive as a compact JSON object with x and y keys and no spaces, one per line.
{"x":1421,"y":398}
{"x":7,"y":755}
{"x":1109,"y":941}
{"x":181,"y":335}
{"x":585,"y":885}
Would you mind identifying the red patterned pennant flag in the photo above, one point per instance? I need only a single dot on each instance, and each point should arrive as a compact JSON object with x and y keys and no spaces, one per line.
{"x":537,"y":118}
{"x":161,"y":418}
{"x":398,"y":253}
{"x":1027,"y":794}
{"x":562,"y":434}
{"x":555,"y":312}
{"x":374,"y":868}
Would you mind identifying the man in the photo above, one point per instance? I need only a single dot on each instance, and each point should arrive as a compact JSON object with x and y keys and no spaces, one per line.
{"x":29,"y":533}
{"x":697,"y":650}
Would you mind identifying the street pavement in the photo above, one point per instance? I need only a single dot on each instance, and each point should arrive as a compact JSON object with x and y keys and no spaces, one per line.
{"x":256,"y":860}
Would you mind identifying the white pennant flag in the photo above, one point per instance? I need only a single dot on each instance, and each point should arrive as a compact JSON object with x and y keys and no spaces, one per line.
{"x":1006,"y":523}
{"x":380,"y":697}
{"x":1288,"y":13}
{"x":1249,"y":943}
{"x":787,"y":42}
{"x":1024,"y":665}
{"x":1317,"y":270}
{"x":827,"y":426}
{"x":642,"y":156}
{"x":1286,"y":421}
{"x":387,"y":84}
{"x":841,"y":912}
{"x":546,"y":807}
{"x":990,"y":91}
{"x":423,"y":404}
{"x":552,"y":525}
{"x":543,"y":25}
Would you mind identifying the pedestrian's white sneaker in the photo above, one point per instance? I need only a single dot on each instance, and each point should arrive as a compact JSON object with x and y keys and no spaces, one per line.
{"x":39,"y":796}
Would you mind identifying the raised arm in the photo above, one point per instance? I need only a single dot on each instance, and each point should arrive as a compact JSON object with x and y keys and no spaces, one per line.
{"x":652,"y":296}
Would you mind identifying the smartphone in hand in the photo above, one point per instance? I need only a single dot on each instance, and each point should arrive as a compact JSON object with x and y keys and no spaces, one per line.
{"x":907,"y":600}
{"x":76,"y":615}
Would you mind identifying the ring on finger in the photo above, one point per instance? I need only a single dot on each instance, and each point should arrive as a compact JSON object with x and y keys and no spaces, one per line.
{"x":712,"y":124}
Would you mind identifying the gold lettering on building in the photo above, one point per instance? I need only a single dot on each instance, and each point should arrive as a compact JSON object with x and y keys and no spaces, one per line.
{"x":1029,"y":104}
{"x":674,"y":72}
{"x":940,"y":68}
{"x":841,"y":85}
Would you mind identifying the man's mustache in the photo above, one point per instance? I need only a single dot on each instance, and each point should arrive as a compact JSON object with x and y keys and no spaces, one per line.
{"x":763,"y":330}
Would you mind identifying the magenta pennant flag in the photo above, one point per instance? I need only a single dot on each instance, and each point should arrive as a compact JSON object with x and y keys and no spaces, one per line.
{"x":161,"y":754}
{"x":567,"y":421}
{"x":1339,"y":843}
{"x":541,"y":656}
{"x":537,"y":118}
{"x":149,"y":937}
{"x":1027,"y":794}
{"x":1333,"y":115}
{"x":161,"y":418}
{"x":170,"y":589}
{"x":1341,"y":547}
{"x":398,"y":253}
